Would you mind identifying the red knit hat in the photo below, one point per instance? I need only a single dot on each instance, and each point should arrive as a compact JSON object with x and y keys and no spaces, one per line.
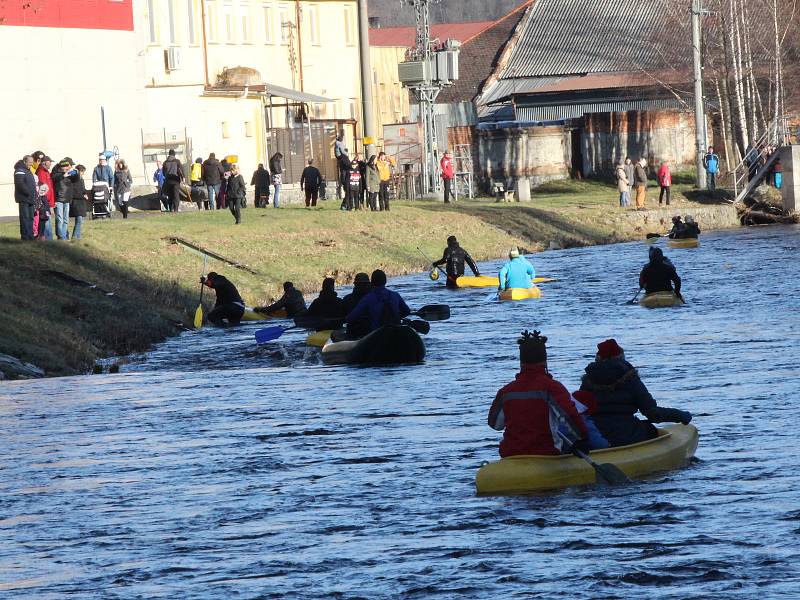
{"x":608,"y":349}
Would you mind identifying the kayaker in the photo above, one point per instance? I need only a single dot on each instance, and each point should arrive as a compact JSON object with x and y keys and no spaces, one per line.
{"x":327,"y":306}
{"x":691,"y":228}
{"x":619,"y":394}
{"x":454,"y":257}
{"x":529,"y":406}
{"x":518,"y":272}
{"x":678,"y":228}
{"x":229,"y":306}
{"x":659,"y":274}
{"x":382,"y":306}
{"x":361,"y":287}
{"x":292,"y":302}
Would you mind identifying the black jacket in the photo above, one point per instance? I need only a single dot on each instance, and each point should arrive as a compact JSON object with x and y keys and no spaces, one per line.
{"x":311,"y":178}
{"x":658,"y":277}
{"x":236,"y":187}
{"x":327,"y":305}
{"x":24,"y":184}
{"x":620,"y":394}
{"x":77,"y":207}
{"x":350,"y":301}
{"x":455,"y":256}
{"x":212,"y":171}
{"x":260,"y":178}
{"x":62,"y":187}
{"x":292,"y":301}
{"x":172,"y":169}
{"x":226,"y":292}
{"x":276,"y":164}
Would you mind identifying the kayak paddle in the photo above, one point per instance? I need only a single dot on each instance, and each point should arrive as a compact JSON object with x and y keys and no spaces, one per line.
{"x":544,"y":279}
{"x":493,"y":297}
{"x":422,"y":327}
{"x":271,"y":333}
{"x":605,"y":473}
{"x":198,"y":314}
{"x":633,"y":300}
{"x":433,"y":312}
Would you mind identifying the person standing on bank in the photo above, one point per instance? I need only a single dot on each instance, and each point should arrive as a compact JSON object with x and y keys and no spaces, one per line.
{"x":63,"y":192}
{"x":25,"y":194}
{"x":123,"y":183}
{"x":173,"y":177}
{"x":385,"y":166}
{"x":236,"y":192}
{"x":623,"y":186}
{"x":77,"y":208}
{"x":310,"y":180}
{"x":260,"y":181}
{"x":212,"y":177}
{"x":448,"y":175}
{"x":373,"y":183}
{"x":45,"y":180}
{"x":640,"y":181}
{"x":276,"y":168}
{"x":665,"y":181}
{"x":711,"y":164}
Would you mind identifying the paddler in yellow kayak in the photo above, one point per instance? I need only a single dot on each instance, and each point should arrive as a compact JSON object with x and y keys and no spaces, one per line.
{"x":229,"y":306}
{"x":518,"y":272}
{"x":292,"y":302}
{"x":455,"y":256}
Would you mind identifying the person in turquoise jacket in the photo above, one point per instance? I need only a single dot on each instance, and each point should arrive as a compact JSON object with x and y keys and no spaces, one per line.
{"x":518,"y":272}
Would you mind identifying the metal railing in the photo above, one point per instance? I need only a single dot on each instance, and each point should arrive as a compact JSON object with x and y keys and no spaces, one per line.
{"x":765,"y":147}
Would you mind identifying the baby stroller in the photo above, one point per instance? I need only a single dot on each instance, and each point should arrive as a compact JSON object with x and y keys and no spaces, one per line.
{"x":102,"y":206}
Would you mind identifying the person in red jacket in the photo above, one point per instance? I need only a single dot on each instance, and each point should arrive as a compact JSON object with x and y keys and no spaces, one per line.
{"x":665,"y":181}
{"x":448,"y":175}
{"x":44,"y":177}
{"x":534,"y":407}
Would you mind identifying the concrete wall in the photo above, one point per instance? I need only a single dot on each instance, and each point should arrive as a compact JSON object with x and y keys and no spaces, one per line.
{"x":538,"y":153}
{"x":790,"y":188}
{"x":656,"y":136}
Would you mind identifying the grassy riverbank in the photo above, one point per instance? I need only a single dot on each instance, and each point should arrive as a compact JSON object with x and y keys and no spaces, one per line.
{"x":64,"y":327}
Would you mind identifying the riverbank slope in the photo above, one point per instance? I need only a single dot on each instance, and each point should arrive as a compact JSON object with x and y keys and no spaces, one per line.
{"x":55,"y":320}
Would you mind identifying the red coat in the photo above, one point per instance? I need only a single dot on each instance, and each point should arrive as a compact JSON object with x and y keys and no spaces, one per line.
{"x":447,"y":168}
{"x":43,"y":175}
{"x":664,"y":176}
{"x":527,"y":409}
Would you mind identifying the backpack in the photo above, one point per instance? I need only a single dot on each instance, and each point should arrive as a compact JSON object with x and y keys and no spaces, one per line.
{"x":170,"y":168}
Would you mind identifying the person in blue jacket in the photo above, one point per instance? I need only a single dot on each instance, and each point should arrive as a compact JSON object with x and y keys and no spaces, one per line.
{"x":380,"y":306}
{"x":518,"y":272}
{"x":711,"y":163}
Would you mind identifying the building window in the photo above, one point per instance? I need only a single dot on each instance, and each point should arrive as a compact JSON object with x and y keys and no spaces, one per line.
{"x":212,"y":23}
{"x":191,"y":20}
{"x":229,"y":23}
{"x":269,"y":25}
{"x":153,"y":21}
{"x":171,"y":24}
{"x":248,"y":129}
{"x":285,"y":23}
{"x":313,"y":24}
{"x":244,"y":21}
{"x":349,"y":27}
{"x":226,"y":130}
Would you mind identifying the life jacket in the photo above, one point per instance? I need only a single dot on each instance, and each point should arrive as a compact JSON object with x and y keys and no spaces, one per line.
{"x":196,"y":173}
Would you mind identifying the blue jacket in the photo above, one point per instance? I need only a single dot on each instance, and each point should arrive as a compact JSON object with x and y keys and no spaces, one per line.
{"x":104,"y":173}
{"x":158,"y":178}
{"x":382,"y":307}
{"x":24,"y":184}
{"x":711,"y":162}
{"x":517,"y":273}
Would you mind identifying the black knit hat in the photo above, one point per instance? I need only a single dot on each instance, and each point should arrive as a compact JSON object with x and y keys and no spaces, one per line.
{"x":532,"y":349}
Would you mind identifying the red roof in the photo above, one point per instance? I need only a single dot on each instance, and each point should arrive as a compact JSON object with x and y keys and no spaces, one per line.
{"x":405,"y":37}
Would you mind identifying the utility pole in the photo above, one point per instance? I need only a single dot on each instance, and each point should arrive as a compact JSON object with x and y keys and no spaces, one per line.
{"x":699,"y":111}
{"x":367,"y":103}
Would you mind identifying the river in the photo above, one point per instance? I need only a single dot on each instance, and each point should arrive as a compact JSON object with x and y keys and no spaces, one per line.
{"x":210,"y":468}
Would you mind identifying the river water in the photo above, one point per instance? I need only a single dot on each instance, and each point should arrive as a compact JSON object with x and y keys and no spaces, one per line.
{"x":214,"y":469}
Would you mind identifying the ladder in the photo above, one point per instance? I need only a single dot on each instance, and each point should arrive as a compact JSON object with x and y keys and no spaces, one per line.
{"x":462,"y":164}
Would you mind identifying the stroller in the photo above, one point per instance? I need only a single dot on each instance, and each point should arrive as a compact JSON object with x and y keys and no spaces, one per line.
{"x":102,"y":206}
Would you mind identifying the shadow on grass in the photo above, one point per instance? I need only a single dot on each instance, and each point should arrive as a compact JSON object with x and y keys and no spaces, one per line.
{"x":708,"y":197}
{"x":63,"y":326}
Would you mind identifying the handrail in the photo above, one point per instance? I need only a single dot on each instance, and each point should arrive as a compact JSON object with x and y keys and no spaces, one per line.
{"x":776,"y":133}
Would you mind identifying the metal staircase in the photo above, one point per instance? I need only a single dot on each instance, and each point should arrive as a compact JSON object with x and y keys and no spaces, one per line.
{"x":767,"y":149}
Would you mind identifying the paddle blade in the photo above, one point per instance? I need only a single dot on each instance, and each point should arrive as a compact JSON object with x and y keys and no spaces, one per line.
{"x":544,"y":279}
{"x":422,"y":327}
{"x":434,"y":312}
{"x":268,"y":334}
{"x":609,"y":474}
{"x":198,"y":317}
{"x":651,"y":236}
{"x":493,"y":297}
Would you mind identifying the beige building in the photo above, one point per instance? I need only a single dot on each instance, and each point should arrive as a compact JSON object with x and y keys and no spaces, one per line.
{"x":159,"y":72}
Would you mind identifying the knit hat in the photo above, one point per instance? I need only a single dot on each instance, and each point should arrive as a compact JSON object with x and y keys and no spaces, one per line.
{"x":513,"y":253}
{"x":361,"y":278}
{"x":655,"y":254}
{"x":532,"y":349}
{"x":608,"y":349}
{"x":452,"y":240}
{"x":329,"y":283}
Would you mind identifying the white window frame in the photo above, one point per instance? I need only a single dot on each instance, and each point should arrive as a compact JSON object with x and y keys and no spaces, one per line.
{"x":243,"y":18}
{"x":191,"y":22}
{"x":152,"y":17}
{"x":313,"y":25}
{"x":268,"y":12}
{"x":212,"y":22}
{"x":172,"y":22}
{"x":349,"y":27}
{"x":284,"y":17}
{"x":229,"y":22}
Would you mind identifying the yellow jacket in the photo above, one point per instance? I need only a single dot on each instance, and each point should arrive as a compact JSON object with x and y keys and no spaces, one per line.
{"x":385,"y":168}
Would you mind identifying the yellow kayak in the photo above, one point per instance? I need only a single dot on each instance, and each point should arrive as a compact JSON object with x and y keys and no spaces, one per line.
{"x":251,"y":315}
{"x":520,"y":293}
{"x":683,"y":243}
{"x":318,"y":338}
{"x":660,"y":300}
{"x":466,"y":281}
{"x":672,"y":449}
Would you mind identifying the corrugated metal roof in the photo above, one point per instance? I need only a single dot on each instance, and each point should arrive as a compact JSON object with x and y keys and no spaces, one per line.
{"x":506,"y":88}
{"x":576,"y":111}
{"x":406,"y":37}
{"x":568,"y":37}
